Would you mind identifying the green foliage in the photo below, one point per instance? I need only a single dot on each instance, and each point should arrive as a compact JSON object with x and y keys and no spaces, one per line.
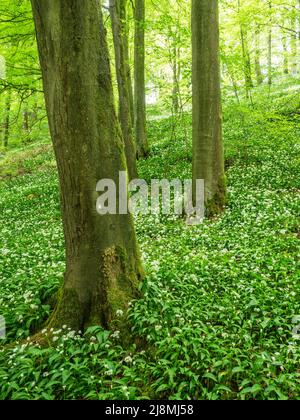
{"x":215,"y":320}
{"x":168,"y":57}
{"x":26,"y":160}
{"x":21,"y":86}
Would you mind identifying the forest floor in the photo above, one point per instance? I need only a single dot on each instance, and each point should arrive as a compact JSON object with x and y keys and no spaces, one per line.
{"x":216,"y":317}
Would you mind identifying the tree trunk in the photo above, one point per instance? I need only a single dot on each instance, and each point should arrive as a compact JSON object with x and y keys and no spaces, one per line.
{"x":258,"y":72}
{"x":118,"y":18}
{"x":129,"y":81}
{"x":139,"y":80}
{"x":6,"y":124}
{"x":285,"y":54}
{"x":102,"y":260}
{"x":127,"y":61}
{"x":294,"y":49}
{"x":270,"y":70}
{"x":298,"y":15}
{"x":270,"y":42}
{"x":208,"y":155}
{"x":176,"y":78}
{"x":246,"y":58}
{"x":235,"y":86}
{"x":26,"y":125}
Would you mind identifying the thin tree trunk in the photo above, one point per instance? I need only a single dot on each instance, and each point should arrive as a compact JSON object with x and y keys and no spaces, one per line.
{"x":127,"y":60}
{"x":26,"y":125}
{"x":139,"y":80}
{"x":6,"y":124}
{"x":176,"y":78}
{"x":102,"y":260}
{"x":118,"y":18}
{"x":285,"y":54}
{"x":270,"y":67}
{"x":294,"y":49}
{"x":298,"y":34}
{"x":258,"y":72}
{"x":246,"y":58}
{"x":270,"y":49}
{"x":298,"y":14}
{"x":129,"y":81}
{"x":247,"y":64}
{"x":234,"y":85}
{"x":208,"y":156}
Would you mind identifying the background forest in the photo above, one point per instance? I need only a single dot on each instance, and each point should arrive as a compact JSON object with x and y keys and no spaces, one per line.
{"x":218,"y":314}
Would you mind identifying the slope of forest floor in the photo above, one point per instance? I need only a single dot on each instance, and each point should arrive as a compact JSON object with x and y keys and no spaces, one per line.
{"x":220,"y":299}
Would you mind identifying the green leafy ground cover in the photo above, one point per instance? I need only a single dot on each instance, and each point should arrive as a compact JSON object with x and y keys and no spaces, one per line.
{"x":215,"y":321}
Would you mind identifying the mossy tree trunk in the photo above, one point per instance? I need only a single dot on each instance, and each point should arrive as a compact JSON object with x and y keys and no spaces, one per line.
{"x":139,"y":80}
{"x":103,"y":266}
{"x":208,"y":156}
{"x":118,"y":18}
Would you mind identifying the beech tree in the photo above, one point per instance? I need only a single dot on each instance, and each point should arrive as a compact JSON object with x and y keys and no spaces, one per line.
{"x":257,"y":65}
{"x":103,"y":266}
{"x":118,"y":18}
{"x":246,"y":56}
{"x":6,"y":122}
{"x":139,"y":80}
{"x":208,"y":155}
{"x":270,"y":45}
{"x":294,"y":40}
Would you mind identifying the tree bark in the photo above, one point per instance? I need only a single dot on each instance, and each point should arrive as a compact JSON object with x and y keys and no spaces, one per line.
{"x":298,"y":18}
{"x":294,"y":49}
{"x":118,"y":18}
{"x":176,"y":78}
{"x":208,"y":155}
{"x":285,"y":54}
{"x":103,"y":266}
{"x":26,"y":124}
{"x":270,"y":47}
{"x":6,"y":124}
{"x":246,"y":58}
{"x":127,"y":61}
{"x":258,"y":72}
{"x":139,"y":80}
